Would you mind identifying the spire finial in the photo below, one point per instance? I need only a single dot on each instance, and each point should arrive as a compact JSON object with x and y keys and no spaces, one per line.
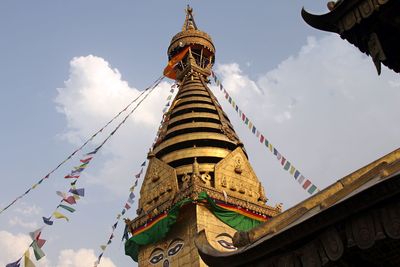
{"x":189,"y":20}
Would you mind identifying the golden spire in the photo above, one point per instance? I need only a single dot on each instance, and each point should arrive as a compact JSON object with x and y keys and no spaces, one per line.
{"x":189,"y":23}
{"x":197,"y":151}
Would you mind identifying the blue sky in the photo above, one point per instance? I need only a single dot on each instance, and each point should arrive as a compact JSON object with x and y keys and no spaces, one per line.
{"x":316,"y":97}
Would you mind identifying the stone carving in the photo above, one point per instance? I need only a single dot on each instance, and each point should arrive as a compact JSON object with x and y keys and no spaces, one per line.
{"x":154,"y":175}
{"x":186,"y":180}
{"x":223,"y":182}
{"x":363,"y":231}
{"x":238,"y":165}
{"x":206,"y":178}
{"x":332,"y":244}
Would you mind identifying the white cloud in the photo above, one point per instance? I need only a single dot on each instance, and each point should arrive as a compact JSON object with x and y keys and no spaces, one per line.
{"x":12,"y":247}
{"x":16,"y":221}
{"x":325,"y":108}
{"x":92,"y":95}
{"x":81,"y":258}
{"x":28,"y":209}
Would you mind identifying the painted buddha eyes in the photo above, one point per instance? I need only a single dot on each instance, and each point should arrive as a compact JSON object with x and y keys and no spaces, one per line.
{"x":175,"y":247}
{"x":225,"y":240}
{"x":158,"y":254}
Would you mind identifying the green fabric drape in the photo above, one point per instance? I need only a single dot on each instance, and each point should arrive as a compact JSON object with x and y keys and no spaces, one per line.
{"x":161,"y":228}
{"x":235,"y":220}
{"x":155,"y":233}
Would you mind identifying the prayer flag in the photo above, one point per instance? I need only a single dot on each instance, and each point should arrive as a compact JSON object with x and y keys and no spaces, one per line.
{"x":254,"y":129}
{"x":47,"y":221}
{"x":171,"y":91}
{"x":93,"y":152}
{"x":73,"y":183}
{"x":86,"y":160}
{"x":109,"y":242}
{"x":312,"y":189}
{"x":127,"y":206}
{"x":250,"y":125}
{"x":169,"y":69}
{"x":306,"y":184}
{"x":301,"y":179}
{"x":243,"y":117}
{"x":169,"y":97}
{"x":275,"y":152}
{"x":143,"y":164}
{"x":40,"y":181}
{"x":27,"y":191}
{"x":131,"y":195}
{"x":79,"y":191}
{"x":279,"y":156}
{"x":258,"y":133}
{"x":130,"y":201}
{"x":35,"y":234}
{"x":262,"y":139}
{"x":119,"y":216}
{"x":115,"y":226}
{"x":34,"y":186}
{"x":237,"y":108}
{"x":230,"y":99}
{"x":27,"y":260}
{"x":67,"y":208}
{"x":125,"y":236}
{"x":283,"y":161}
{"x":101,"y":255}
{"x":71,"y":176}
{"x":14,"y":264}
{"x":111,"y":236}
{"x":292,"y":169}
{"x":123,"y":211}
{"x":37,"y":251}
{"x":266,"y":142}
{"x":287,"y":166}
{"x":136,"y":182}
{"x":70,"y":200}
{"x":59,"y":215}
{"x":103,"y":247}
{"x":270,"y":147}
{"x":296,"y":174}
{"x":61,"y":194}
{"x":247,"y":121}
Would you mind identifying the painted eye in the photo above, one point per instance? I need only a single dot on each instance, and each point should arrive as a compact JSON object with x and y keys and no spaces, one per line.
{"x":225,"y":240}
{"x":175,"y":247}
{"x":156,"y":256}
{"x":226,"y":244}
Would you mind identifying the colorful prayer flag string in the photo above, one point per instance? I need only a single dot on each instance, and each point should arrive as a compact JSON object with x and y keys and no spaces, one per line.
{"x":73,"y":175}
{"x":126,"y":207}
{"x":306,"y":184}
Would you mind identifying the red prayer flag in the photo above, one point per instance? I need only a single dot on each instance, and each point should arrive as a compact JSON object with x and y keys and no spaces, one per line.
{"x":261,"y":138}
{"x":306,"y":184}
{"x":70,"y":200}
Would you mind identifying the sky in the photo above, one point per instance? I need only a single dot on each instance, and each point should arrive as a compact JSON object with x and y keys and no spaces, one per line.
{"x":67,"y":67}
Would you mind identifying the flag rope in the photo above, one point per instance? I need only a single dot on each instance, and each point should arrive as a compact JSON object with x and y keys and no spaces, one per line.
{"x":151,"y":87}
{"x":305,"y":183}
{"x":37,"y":243}
{"x":131,"y":198}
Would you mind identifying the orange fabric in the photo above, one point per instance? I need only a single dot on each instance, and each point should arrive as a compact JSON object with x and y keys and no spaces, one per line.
{"x":169,"y":69}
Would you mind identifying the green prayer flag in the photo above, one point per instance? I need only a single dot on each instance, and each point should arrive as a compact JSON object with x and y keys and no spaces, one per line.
{"x":312,"y":189}
{"x":287,"y":166}
{"x":37,"y":251}
{"x":70,"y":209}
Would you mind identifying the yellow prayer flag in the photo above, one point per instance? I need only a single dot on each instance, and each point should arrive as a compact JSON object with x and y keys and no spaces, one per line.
{"x":27,"y":260}
{"x":103,"y":247}
{"x":250,"y":125}
{"x":292,"y":170}
{"x":59,"y":215}
{"x":271,"y":148}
